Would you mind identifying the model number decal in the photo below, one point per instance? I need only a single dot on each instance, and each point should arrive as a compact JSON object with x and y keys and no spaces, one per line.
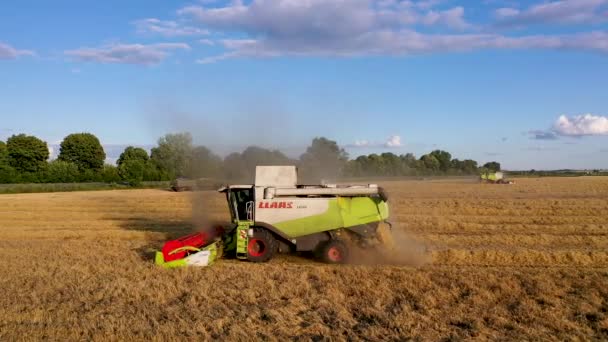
{"x":275,"y":205}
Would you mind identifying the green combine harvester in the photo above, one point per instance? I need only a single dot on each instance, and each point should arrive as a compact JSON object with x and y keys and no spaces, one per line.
{"x":494,"y":178}
{"x":277,"y":215}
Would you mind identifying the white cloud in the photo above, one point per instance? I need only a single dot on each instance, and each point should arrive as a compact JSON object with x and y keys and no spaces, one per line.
{"x":542,"y":135}
{"x":427,"y":4}
{"x":419,"y":4}
{"x":320,"y":19}
{"x":361,"y":143}
{"x":507,"y":12}
{"x":394,"y":141}
{"x":407,"y":42}
{"x":581,"y":125}
{"x":9,"y":52}
{"x":206,"y":41}
{"x":339,"y":28}
{"x":541,"y":148}
{"x":558,"y":12}
{"x":51,"y":152}
{"x":452,"y":18}
{"x":166,"y":28}
{"x":141,"y":54}
{"x":213,"y":59}
{"x":575,"y":126}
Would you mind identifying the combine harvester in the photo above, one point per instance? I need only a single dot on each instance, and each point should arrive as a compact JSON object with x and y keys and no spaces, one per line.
{"x":494,"y":178}
{"x":278,"y":215}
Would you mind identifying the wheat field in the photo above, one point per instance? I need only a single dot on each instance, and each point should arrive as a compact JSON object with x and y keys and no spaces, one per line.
{"x":522,"y":261}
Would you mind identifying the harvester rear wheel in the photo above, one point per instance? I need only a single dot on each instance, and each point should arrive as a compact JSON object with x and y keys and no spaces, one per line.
{"x":334,"y":252}
{"x":261,"y":246}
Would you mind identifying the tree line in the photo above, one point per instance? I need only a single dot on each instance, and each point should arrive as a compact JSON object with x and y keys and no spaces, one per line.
{"x":25,"y":159}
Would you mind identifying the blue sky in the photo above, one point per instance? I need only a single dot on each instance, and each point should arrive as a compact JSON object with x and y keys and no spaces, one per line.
{"x":521,"y":82}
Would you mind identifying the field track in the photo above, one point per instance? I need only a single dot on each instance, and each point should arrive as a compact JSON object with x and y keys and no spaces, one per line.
{"x":522,"y":261}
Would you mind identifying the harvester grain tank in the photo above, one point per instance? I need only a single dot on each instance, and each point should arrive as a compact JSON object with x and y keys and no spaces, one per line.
{"x":276,"y":214}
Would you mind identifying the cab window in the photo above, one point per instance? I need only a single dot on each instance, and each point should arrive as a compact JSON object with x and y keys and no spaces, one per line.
{"x":241,"y":198}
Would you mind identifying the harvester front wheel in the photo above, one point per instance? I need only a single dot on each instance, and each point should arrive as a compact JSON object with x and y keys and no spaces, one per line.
{"x":334,"y":252}
{"x":261,"y":246}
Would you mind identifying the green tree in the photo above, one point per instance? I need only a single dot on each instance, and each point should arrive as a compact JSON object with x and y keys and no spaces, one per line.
{"x":235,"y":170}
{"x":109,"y":174}
{"x":241,"y":166}
{"x":131,"y":153}
{"x":151,"y":169}
{"x":7,"y":173}
{"x":457,"y":165}
{"x":204,"y":163}
{"x":153,"y":173}
{"x":372,"y":165}
{"x":90,"y":175}
{"x":172,"y":155}
{"x":361,"y":166}
{"x":409,"y":160}
{"x":393,"y":164}
{"x":430,"y":162}
{"x":3,"y":153}
{"x":254,"y":155}
{"x":59,"y":171}
{"x":492,"y":166}
{"x":444,"y":159}
{"x":353,"y":168}
{"x":132,"y":171}
{"x":469,"y":166}
{"x":323,"y":159}
{"x":26,"y":153}
{"x":84,"y":150}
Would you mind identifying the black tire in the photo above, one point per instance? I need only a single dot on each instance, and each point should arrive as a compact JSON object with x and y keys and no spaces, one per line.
{"x":262,"y":246}
{"x":334,"y":252}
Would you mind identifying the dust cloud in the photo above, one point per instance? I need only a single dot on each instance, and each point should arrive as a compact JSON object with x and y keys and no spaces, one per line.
{"x":202,"y":220}
{"x":401,"y":250}
{"x":253,"y":122}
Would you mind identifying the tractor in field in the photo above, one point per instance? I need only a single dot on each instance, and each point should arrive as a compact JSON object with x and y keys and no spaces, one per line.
{"x":493,"y":177}
{"x":183,"y":184}
{"x":278,"y":215}
{"x":186,"y":184}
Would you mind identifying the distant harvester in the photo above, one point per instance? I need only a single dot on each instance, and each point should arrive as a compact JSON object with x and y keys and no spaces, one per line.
{"x":494,"y":178}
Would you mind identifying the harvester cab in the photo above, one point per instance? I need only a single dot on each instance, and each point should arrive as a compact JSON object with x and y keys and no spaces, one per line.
{"x":276,"y":214}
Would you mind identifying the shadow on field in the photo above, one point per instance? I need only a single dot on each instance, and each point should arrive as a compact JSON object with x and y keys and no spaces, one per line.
{"x":172,"y":229}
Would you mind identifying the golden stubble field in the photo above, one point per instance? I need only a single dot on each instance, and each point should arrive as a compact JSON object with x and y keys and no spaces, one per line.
{"x":525,"y":261}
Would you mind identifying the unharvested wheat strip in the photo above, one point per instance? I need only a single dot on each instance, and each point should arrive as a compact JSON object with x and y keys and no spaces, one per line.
{"x":481,"y":229}
{"x":497,"y":218}
{"x":451,"y":227}
{"x":533,"y":241}
{"x":520,"y":258}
